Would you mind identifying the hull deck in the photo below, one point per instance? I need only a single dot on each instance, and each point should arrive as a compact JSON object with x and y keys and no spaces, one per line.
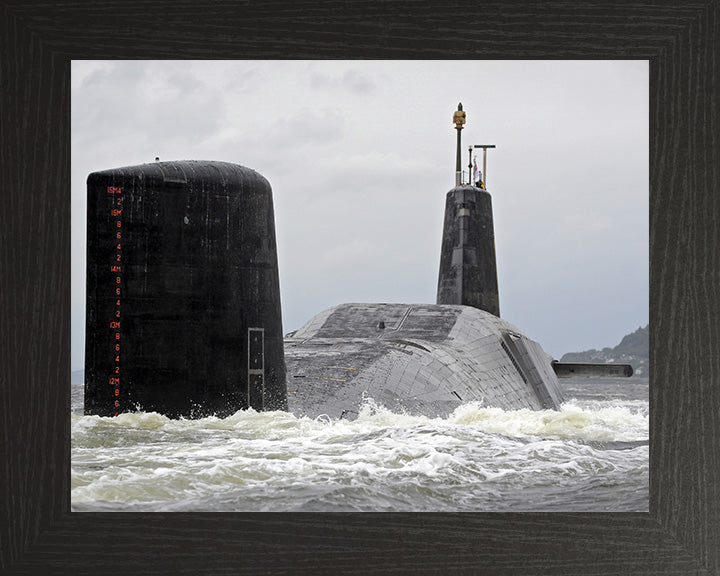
{"x":420,"y":358}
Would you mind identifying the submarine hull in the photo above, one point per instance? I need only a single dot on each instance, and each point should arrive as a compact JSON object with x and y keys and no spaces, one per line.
{"x":420,"y":358}
{"x":183,"y":301}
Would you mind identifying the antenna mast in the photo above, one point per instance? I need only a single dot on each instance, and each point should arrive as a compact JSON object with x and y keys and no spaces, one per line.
{"x":459,"y":120}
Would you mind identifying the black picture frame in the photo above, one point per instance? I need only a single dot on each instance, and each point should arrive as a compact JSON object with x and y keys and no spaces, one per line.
{"x":38,"y":533}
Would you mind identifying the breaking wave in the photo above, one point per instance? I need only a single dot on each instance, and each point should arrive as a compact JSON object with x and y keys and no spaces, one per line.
{"x":587,"y":456}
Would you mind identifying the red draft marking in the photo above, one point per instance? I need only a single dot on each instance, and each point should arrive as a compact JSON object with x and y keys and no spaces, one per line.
{"x":115,"y":268}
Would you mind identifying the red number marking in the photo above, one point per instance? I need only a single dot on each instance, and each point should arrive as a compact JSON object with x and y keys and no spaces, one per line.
{"x":116,"y":211}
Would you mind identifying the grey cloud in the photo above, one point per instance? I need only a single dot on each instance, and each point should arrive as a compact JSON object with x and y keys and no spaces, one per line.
{"x":312,"y":125}
{"x":351,"y":81}
{"x":145,"y":102}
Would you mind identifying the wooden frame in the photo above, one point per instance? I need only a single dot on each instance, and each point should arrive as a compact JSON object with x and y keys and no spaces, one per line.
{"x":680,"y":534}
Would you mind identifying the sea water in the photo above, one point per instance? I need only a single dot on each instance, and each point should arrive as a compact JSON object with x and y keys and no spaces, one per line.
{"x":592,"y":455}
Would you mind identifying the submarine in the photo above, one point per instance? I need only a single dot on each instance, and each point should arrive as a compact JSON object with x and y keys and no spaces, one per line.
{"x":183,"y":312}
{"x":427,"y":358}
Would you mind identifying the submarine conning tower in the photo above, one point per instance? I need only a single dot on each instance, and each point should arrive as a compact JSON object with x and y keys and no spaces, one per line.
{"x":183,"y":300}
{"x":468,"y":271}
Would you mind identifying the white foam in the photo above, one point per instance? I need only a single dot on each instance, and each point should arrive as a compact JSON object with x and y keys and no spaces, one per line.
{"x":274,"y":460}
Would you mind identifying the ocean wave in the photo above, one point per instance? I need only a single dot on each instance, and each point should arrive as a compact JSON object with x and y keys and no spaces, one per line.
{"x":476,"y":458}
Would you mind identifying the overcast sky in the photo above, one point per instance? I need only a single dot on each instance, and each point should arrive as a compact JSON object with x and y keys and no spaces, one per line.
{"x":360,"y":156}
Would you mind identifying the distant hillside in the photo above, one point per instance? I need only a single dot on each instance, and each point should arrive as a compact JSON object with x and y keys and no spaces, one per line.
{"x":634,"y":349}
